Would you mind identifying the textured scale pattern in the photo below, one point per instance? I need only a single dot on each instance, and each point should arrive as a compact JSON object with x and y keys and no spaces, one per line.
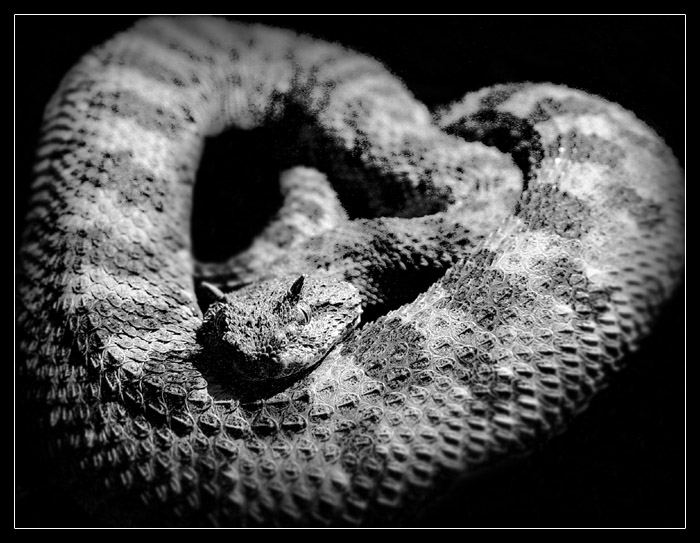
{"x":543,"y":298}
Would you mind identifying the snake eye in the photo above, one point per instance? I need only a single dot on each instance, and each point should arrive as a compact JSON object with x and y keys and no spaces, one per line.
{"x":302,"y":313}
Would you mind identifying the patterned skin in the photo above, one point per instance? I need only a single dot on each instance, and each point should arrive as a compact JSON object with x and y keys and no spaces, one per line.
{"x":492,"y":358}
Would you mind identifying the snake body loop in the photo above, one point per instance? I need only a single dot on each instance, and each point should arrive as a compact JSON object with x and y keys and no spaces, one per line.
{"x":542,"y":298}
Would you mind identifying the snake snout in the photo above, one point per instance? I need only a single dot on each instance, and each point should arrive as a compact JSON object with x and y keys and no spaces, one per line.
{"x":279,"y":328}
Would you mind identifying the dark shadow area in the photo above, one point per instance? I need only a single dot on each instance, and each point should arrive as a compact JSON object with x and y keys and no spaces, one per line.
{"x":235,"y":176}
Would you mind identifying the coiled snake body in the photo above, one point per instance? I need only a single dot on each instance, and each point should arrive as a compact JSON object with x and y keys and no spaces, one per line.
{"x":544,"y":295}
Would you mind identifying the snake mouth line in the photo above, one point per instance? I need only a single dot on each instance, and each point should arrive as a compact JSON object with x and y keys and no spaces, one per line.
{"x":231,"y":387}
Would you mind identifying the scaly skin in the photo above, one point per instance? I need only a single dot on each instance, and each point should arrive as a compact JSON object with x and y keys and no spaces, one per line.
{"x":493,"y":358}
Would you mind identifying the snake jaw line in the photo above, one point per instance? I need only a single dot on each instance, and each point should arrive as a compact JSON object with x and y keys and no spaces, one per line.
{"x":269,"y":331}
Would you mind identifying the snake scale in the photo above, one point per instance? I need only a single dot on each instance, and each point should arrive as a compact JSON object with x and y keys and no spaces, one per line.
{"x":493,"y":358}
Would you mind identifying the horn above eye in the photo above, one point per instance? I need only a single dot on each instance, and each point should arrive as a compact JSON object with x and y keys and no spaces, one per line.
{"x":295,"y":289}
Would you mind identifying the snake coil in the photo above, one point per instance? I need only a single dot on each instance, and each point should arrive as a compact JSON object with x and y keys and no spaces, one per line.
{"x":495,"y":356}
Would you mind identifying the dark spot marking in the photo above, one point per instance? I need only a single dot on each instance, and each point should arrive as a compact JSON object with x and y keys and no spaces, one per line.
{"x":309,"y":209}
{"x":548,"y":207}
{"x":544,"y":110}
{"x":151,"y":68}
{"x":647,"y":213}
{"x":508,"y":133}
{"x":498,"y":95}
{"x":587,"y":148}
{"x":133,"y":106}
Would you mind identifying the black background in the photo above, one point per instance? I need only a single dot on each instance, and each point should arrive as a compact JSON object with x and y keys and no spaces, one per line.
{"x":621,"y":463}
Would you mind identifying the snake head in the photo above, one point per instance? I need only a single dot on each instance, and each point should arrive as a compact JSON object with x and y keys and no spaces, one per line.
{"x":279,"y":327}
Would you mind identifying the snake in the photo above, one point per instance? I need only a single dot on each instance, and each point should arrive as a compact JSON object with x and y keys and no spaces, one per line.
{"x":510,"y":250}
